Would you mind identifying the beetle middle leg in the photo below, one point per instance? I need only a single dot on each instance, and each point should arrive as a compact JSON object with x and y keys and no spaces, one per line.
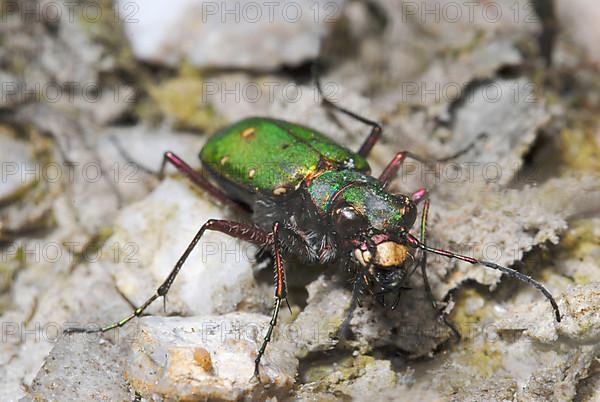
{"x":389,"y":172}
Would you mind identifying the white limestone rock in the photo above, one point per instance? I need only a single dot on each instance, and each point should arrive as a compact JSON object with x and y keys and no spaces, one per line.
{"x":256,"y":35}
{"x":152,"y":234}
{"x":208,"y":358}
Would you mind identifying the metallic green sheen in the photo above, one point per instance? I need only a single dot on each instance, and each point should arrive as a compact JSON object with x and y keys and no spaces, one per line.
{"x":324,"y":186}
{"x":384,"y":211}
{"x":275,"y":156}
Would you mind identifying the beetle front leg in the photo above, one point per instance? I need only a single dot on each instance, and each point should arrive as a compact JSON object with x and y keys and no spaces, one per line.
{"x":423,"y":264}
{"x":238,"y":230}
{"x":280,"y":295}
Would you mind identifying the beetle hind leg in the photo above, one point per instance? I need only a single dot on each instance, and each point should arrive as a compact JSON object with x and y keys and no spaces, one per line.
{"x":376,"y":128}
{"x":238,"y":230}
{"x":195,"y":177}
{"x":199,"y":180}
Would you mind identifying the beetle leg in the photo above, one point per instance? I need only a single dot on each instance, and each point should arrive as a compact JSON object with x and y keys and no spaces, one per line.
{"x":357,"y":290}
{"x":238,"y":230}
{"x":187,"y":170}
{"x":419,"y":196}
{"x":423,"y":264}
{"x":280,"y":295}
{"x":373,"y":137}
{"x":412,"y":241}
{"x":376,"y":128}
{"x":199,"y":180}
{"x":390,"y":171}
{"x":466,"y":149}
{"x":404,"y":287}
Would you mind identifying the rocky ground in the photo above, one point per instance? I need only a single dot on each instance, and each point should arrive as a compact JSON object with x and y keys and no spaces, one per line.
{"x":89,"y":87}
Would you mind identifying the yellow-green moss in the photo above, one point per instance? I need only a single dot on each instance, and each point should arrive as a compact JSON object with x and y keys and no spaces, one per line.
{"x":485,"y":358}
{"x":180,"y":98}
{"x":25,"y":189}
{"x":6,"y":272}
{"x":347,"y":369}
{"x":456,"y":52}
{"x":108,"y":31}
{"x":461,"y":315}
{"x":97,"y":242}
{"x":579,"y":240}
{"x":579,"y":150}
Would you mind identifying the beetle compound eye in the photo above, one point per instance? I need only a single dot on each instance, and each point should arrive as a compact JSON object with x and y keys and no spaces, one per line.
{"x":346,"y":214}
{"x":347,"y":220}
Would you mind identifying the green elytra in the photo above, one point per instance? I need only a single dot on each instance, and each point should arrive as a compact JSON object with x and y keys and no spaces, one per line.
{"x":269,"y":157}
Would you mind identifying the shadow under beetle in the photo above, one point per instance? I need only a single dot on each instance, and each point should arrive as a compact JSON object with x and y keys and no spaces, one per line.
{"x":315,"y":199}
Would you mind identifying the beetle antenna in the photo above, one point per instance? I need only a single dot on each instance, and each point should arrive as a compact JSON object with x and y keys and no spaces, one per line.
{"x":508,"y":271}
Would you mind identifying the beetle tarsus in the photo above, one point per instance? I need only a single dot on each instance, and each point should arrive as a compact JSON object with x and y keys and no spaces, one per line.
{"x":376,"y":128}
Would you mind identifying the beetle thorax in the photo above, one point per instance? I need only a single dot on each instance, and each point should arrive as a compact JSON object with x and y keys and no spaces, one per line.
{"x":344,"y":194}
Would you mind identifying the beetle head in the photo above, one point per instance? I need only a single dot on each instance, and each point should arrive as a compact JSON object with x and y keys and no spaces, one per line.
{"x":373,"y":222}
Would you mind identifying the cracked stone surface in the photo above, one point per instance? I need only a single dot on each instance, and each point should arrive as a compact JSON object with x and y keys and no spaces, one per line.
{"x":207,"y":357}
{"x":151,"y":236}
{"x":84,"y":248}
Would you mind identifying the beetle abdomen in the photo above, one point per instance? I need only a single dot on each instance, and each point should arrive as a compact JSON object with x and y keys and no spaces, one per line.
{"x":262,"y":155}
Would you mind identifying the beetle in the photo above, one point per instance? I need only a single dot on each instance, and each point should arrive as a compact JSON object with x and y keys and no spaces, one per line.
{"x":308,"y":196}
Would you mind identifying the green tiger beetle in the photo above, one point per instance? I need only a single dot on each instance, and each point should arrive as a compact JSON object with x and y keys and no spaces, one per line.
{"x":308,"y":196}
